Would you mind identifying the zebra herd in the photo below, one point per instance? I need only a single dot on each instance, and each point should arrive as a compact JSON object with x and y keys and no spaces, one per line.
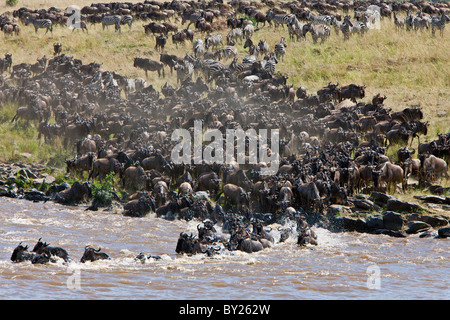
{"x":422,"y":22}
{"x":106,"y":20}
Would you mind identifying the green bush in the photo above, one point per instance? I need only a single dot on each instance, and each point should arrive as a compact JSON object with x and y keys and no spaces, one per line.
{"x":102,"y":191}
{"x":11,"y":2}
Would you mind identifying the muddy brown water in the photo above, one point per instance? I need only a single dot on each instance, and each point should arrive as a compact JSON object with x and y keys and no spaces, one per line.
{"x":342,"y":266}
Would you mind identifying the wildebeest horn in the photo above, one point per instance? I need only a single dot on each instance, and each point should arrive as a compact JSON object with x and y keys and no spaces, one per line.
{"x":98,"y":250}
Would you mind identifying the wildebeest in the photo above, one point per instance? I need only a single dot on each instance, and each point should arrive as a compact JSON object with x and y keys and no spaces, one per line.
{"x":21,"y":254}
{"x":235,"y":195}
{"x":308,"y":195}
{"x":91,"y":254}
{"x":407,"y":114}
{"x":44,"y":247}
{"x":431,"y":167}
{"x":149,"y":65}
{"x":388,"y":173}
{"x":103,"y":166}
{"x":76,"y":193}
{"x":188,"y":244}
{"x":139,"y":207}
{"x":352,"y":92}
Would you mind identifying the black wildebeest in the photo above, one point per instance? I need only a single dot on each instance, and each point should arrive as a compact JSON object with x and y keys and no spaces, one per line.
{"x":21,"y":254}
{"x":45,"y":248}
{"x":91,"y":254}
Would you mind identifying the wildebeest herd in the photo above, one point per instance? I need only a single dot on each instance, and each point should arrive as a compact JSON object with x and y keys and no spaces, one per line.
{"x":332,"y":143}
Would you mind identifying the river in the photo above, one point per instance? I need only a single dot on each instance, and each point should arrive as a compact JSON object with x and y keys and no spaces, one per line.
{"x":343,"y":265}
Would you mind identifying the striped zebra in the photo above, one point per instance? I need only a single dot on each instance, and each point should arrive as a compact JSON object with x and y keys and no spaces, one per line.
{"x":280,"y":49}
{"x":269,"y":64}
{"x":82,"y":25}
{"x":263,"y":47}
{"x":40,"y":24}
{"x":237,"y":67}
{"x":111,"y":20}
{"x":210,"y":68}
{"x":127,"y":19}
{"x":318,"y":31}
{"x":399,"y":22}
{"x":199,"y":48}
{"x":227,"y":52}
{"x":295,"y":28}
{"x":213,"y":41}
{"x":249,"y":30}
{"x":439,"y":23}
{"x":278,"y":19}
{"x":319,"y":19}
{"x":354,"y":26}
{"x":235,"y":34}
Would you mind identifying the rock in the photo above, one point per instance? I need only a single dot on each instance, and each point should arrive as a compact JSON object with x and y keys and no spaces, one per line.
{"x":338,"y":210}
{"x":429,"y":234}
{"x":434,"y":221}
{"x":433,"y":199}
{"x":47,"y":179}
{"x":364,"y":204}
{"x":416,"y":226}
{"x":347,"y":224}
{"x":374,"y":221}
{"x":444,"y":232}
{"x":392,"y":233}
{"x":392,"y":220}
{"x":380,"y":198}
{"x":402,"y":206}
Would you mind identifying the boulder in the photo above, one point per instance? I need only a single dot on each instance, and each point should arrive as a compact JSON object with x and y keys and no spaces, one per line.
{"x":380,"y":198}
{"x":392,"y":220}
{"x":429,"y":234}
{"x":444,"y":232}
{"x":374,"y":221}
{"x":347,"y":224}
{"x":417,"y":226}
{"x":392,"y":233}
{"x":335,"y":210}
{"x":434,"y":221}
{"x":364,"y":204}
{"x":402,"y":206}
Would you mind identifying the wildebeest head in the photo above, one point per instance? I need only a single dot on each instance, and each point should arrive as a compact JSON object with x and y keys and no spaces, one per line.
{"x":40,"y":246}
{"x":18,"y":251}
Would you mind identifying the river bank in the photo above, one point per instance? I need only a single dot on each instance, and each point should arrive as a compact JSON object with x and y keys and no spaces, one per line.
{"x":374,"y":213}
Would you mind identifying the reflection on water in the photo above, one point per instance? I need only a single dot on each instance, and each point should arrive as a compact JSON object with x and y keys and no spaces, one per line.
{"x":409,"y":268}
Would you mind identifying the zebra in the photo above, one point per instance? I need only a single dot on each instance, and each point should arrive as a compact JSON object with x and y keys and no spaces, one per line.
{"x":295,"y":28}
{"x":318,"y":31}
{"x":439,"y":23}
{"x":399,"y":22}
{"x":263,"y":47}
{"x":111,"y":20}
{"x":199,"y":48}
{"x":269,"y":64}
{"x":237,"y":67}
{"x":279,"y":18}
{"x":227,"y":52}
{"x":280,"y":49}
{"x":40,"y":23}
{"x":127,"y":19}
{"x":82,"y":25}
{"x":235,"y":34}
{"x":210,"y":68}
{"x":337,"y":25}
{"x":249,"y":30}
{"x":184,"y":70}
{"x":213,"y":40}
{"x":354,"y":26}
{"x":319,"y":19}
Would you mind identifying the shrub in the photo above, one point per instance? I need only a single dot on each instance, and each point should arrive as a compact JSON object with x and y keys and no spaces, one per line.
{"x":11,"y":2}
{"x":102,"y":191}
